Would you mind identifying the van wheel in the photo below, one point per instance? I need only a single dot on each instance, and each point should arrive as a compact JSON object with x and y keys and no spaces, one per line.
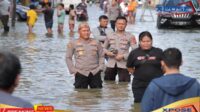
{"x":18,"y":17}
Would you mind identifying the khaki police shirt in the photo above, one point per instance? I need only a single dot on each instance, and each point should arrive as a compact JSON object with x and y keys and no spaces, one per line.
{"x":122,"y":43}
{"x":88,"y":56}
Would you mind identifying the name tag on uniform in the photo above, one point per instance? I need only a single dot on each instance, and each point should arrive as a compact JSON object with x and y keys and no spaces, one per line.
{"x":124,"y":42}
{"x":93,"y":44}
{"x":124,"y":47}
{"x":80,"y":53}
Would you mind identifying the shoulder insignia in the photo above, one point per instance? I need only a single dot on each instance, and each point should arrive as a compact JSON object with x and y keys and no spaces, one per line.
{"x":69,"y":45}
{"x":78,"y":42}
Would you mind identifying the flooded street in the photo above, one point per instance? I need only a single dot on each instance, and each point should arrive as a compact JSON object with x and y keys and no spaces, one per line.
{"x":46,"y":80}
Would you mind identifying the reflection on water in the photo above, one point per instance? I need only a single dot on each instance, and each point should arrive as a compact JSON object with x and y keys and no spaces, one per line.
{"x":85,"y":98}
{"x":135,"y":107}
{"x":45,"y":78}
{"x":31,"y":37}
{"x":113,"y":97}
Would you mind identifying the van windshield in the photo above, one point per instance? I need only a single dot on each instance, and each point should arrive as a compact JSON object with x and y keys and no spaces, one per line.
{"x":176,"y":2}
{"x":172,"y":2}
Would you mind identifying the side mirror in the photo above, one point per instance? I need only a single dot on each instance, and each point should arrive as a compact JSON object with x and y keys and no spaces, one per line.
{"x":198,"y":9}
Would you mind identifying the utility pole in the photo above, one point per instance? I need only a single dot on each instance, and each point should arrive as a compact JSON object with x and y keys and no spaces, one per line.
{"x":13,"y":12}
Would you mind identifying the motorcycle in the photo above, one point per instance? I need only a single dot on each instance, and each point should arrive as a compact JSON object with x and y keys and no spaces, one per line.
{"x":81,"y":14}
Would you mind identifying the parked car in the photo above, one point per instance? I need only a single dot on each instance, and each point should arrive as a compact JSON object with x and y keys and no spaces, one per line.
{"x":178,"y":17}
{"x":21,"y":12}
{"x":81,"y":14}
{"x":68,"y":2}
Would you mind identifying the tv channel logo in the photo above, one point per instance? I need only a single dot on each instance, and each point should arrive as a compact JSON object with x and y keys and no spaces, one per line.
{"x":183,"y":9}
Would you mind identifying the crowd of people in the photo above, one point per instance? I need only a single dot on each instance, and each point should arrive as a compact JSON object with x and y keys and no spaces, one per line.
{"x":157,"y":81}
{"x":112,"y":52}
{"x":61,"y":13}
{"x":48,"y":17}
{"x":113,"y":7}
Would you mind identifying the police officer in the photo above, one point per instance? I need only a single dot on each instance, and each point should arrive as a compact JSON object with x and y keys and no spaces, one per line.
{"x":89,"y":59}
{"x":117,"y":49}
{"x":100,"y":33}
{"x":10,"y":69}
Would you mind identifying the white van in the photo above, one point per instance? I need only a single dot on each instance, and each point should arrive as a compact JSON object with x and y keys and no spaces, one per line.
{"x":68,"y":2}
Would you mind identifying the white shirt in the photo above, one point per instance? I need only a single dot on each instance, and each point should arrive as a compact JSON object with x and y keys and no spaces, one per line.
{"x":4,"y":7}
{"x":123,"y":8}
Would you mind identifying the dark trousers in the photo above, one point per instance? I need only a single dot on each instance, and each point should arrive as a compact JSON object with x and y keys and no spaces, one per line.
{"x":138,"y":94}
{"x":4,"y":20}
{"x":111,"y":73}
{"x":112,"y":24}
{"x":94,"y":81}
{"x":138,"y":88}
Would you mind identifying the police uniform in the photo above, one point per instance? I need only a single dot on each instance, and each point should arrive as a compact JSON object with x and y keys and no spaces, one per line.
{"x":100,"y":33}
{"x":121,"y":43}
{"x":89,"y":62}
{"x":147,"y":67}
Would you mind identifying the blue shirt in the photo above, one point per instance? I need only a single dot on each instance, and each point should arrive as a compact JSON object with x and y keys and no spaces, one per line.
{"x":168,"y":89}
{"x":8,"y":99}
